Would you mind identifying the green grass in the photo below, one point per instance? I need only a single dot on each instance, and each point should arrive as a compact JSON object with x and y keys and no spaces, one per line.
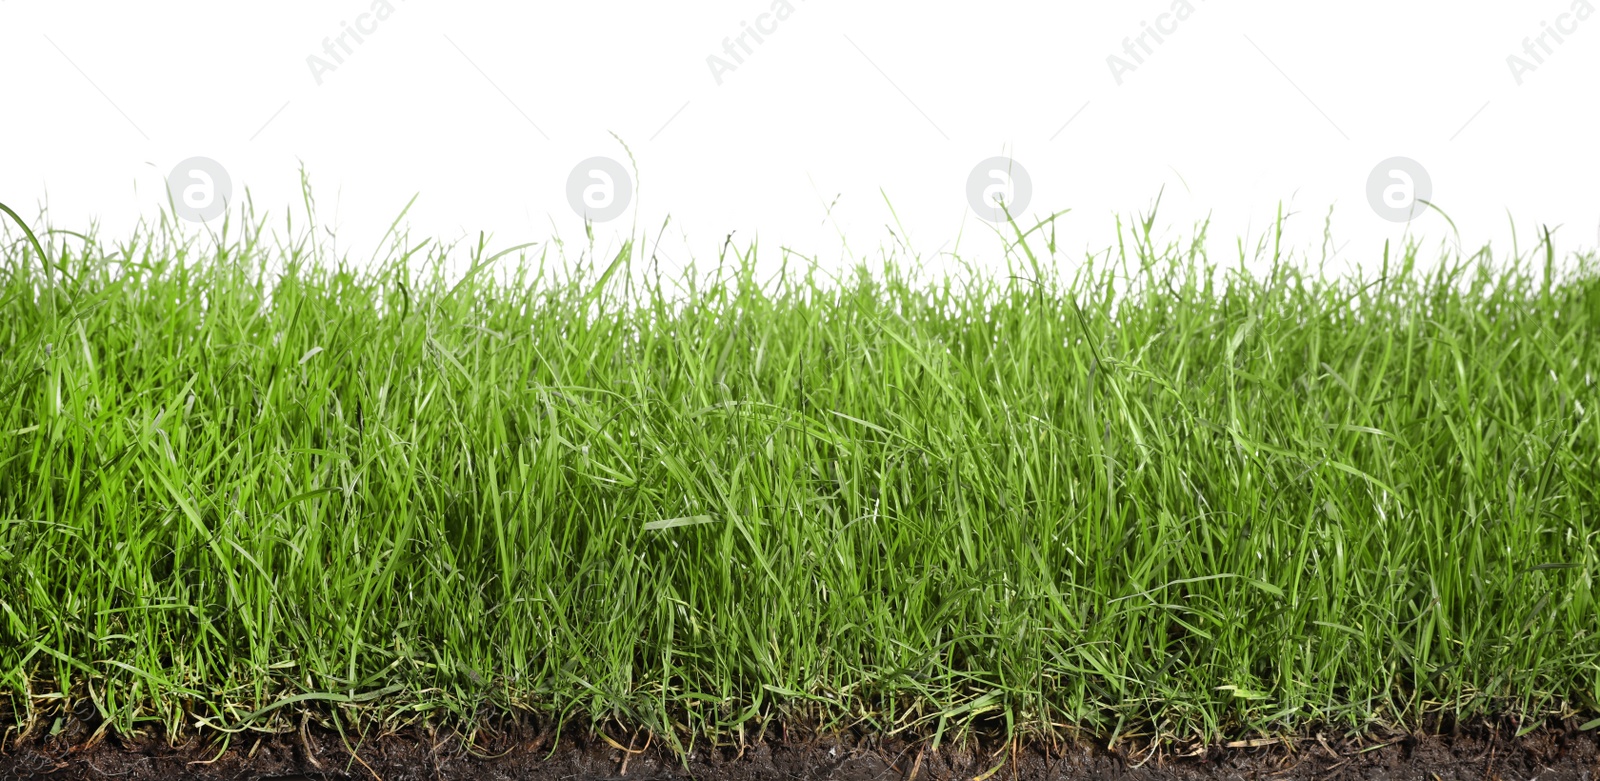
{"x":1138,"y":495}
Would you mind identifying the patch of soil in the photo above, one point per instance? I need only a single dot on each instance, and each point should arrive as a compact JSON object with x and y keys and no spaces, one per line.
{"x":1556,"y":753}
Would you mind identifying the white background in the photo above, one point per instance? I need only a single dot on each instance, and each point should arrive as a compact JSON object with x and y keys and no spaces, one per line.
{"x":484,"y":108}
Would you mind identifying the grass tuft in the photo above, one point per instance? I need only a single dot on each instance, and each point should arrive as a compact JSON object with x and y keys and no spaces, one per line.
{"x":244,"y":480}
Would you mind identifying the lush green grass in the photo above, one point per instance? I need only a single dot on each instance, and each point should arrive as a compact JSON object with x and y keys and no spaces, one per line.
{"x":1142,"y":495}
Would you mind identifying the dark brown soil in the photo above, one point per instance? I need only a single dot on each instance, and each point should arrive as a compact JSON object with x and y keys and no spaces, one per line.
{"x":1548,"y":754}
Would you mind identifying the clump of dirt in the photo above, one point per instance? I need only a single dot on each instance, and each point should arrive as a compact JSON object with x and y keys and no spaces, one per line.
{"x":1553,"y":753}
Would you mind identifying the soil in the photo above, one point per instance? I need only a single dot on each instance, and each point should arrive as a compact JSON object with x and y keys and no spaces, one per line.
{"x":1553,"y":753}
